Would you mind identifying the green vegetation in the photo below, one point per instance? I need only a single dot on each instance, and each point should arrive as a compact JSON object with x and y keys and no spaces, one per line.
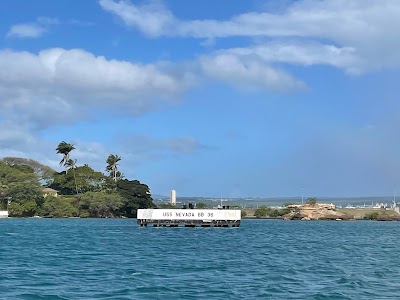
{"x":312,"y":201}
{"x":382,"y":215}
{"x":112,"y":166}
{"x":82,"y":191}
{"x":372,"y":215}
{"x":265,"y":211}
{"x":201,"y":205}
{"x":166,"y":205}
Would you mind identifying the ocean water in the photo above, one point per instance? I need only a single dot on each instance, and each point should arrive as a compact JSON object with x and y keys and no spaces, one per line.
{"x":263,"y":259}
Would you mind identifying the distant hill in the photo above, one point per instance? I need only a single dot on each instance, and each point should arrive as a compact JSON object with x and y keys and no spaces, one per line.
{"x":276,"y":201}
{"x":157,"y":196}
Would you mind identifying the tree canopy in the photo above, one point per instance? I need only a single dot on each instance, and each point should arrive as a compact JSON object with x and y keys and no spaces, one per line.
{"x":83,"y":192}
{"x":112,"y":166}
{"x":136,"y":195}
{"x":20,"y":190}
{"x":312,"y":201}
{"x":65,"y":149}
{"x":42,"y":171}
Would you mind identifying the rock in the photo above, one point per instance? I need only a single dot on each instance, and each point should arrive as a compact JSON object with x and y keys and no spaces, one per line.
{"x":388,"y":218}
{"x":315,"y":212}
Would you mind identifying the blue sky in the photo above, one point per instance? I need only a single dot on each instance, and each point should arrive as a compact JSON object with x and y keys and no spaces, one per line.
{"x":211,"y":98}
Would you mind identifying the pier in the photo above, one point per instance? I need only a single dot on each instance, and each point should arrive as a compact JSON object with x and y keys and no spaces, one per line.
{"x":189,"y":217}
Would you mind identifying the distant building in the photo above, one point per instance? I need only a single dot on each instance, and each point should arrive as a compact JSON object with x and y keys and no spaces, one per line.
{"x":3,"y":214}
{"x":173,"y":197}
{"x":49,"y":192}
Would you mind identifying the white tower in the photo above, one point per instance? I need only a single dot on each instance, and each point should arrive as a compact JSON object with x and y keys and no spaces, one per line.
{"x":173,"y":197}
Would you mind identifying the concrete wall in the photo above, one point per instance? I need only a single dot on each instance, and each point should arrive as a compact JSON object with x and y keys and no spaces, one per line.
{"x":3,"y":214}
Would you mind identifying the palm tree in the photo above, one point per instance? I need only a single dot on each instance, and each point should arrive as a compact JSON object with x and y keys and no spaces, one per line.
{"x":112,"y":165}
{"x":71,"y":164}
{"x":65,"y":148}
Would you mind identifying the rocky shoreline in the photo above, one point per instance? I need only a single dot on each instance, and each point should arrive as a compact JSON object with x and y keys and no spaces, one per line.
{"x":315,"y":211}
{"x":324,"y":211}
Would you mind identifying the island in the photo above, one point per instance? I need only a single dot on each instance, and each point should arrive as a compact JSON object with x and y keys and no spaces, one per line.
{"x":31,"y":189}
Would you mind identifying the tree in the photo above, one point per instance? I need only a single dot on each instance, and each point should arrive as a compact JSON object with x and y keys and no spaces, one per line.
{"x":262,"y":211}
{"x":87,"y":180}
{"x":135,"y":194}
{"x":59,"y":207}
{"x":71,"y":164}
{"x":201,"y":205}
{"x":25,"y":209}
{"x":44,"y":172}
{"x":65,"y":149}
{"x":101,"y":204}
{"x":112,"y":166}
{"x":21,"y":189}
{"x":371,"y":215}
{"x":312,"y":201}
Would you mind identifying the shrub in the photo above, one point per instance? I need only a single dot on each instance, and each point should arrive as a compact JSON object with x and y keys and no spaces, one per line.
{"x":201,"y":205}
{"x":312,"y":201}
{"x":371,"y":216}
{"x":262,"y":211}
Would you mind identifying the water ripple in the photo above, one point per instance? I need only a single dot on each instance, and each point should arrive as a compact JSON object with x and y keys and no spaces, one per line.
{"x":266,"y":259}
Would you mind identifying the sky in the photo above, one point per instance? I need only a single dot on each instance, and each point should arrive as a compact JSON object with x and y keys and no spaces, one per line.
{"x":210,"y":98}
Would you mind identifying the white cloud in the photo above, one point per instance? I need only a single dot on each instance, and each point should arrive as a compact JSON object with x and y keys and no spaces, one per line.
{"x":248,"y":73}
{"x":151,"y":18}
{"x":301,"y":53}
{"x":336,"y":19}
{"x":32,"y":30}
{"x":364,"y":32}
{"x":26,"y":31}
{"x":58,"y":85}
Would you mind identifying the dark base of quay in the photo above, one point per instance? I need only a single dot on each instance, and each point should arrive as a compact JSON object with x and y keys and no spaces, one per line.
{"x":163,"y":223}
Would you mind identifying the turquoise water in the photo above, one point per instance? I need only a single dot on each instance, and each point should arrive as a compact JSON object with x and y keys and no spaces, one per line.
{"x":263,"y":259}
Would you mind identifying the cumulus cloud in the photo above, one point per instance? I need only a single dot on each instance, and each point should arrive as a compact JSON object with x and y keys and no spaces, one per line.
{"x":336,"y":19}
{"x":358,"y":35}
{"x":248,"y":73}
{"x":58,"y":85}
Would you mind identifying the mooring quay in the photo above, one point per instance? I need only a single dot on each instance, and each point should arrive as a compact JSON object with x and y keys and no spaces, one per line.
{"x":189,"y":217}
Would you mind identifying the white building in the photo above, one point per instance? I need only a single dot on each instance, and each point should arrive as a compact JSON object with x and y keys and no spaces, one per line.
{"x":3,"y":214}
{"x":173,"y":197}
